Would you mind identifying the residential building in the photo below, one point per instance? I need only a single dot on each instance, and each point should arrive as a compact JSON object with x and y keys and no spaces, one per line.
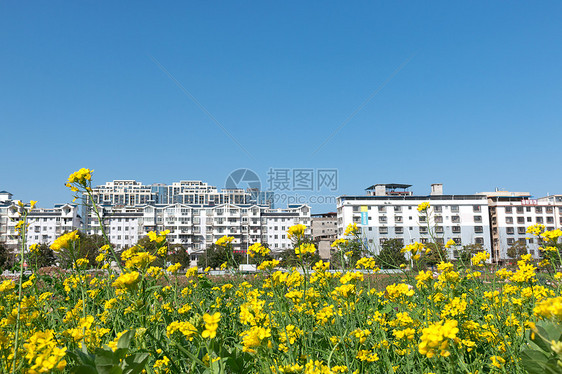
{"x":324,"y":230}
{"x":276,"y":223}
{"x":389,"y":211}
{"x":510,"y":215}
{"x":195,"y":227}
{"x":45,"y":225}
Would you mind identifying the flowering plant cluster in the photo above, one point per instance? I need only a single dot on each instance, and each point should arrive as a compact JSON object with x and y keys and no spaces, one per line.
{"x":467,"y":318}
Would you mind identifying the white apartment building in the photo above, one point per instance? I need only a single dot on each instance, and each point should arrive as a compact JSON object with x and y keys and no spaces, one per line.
{"x":123,"y":192}
{"x":45,"y":225}
{"x":198,"y":192}
{"x":512,"y":212}
{"x":131,"y":193}
{"x":389,"y":211}
{"x":123,"y":225}
{"x":276,"y":222}
{"x":195,"y":227}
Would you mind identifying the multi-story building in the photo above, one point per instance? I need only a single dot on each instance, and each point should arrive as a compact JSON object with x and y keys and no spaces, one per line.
{"x":129,"y":193}
{"x":324,"y":225}
{"x":195,"y":227}
{"x":123,"y":225}
{"x":511,"y":213}
{"x":5,"y":203}
{"x":389,"y":211}
{"x":45,"y":225}
{"x":276,"y":223}
{"x":324,"y":230}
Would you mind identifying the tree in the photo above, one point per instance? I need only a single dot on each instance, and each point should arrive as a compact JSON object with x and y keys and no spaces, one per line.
{"x":216,"y":255}
{"x":469,"y":250}
{"x":391,"y":256}
{"x":435,"y":253}
{"x":41,"y":257}
{"x":177,"y":253}
{"x":289,"y":258}
{"x":517,"y":249}
{"x":87,"y":246}
{"x":7,"y":258}
{"x":346,"y":254}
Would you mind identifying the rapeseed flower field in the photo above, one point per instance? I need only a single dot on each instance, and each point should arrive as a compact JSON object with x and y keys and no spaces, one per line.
{"x":137,"y":317}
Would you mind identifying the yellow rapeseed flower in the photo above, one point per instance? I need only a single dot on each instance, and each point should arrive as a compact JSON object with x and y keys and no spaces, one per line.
{"x":296,"y":231}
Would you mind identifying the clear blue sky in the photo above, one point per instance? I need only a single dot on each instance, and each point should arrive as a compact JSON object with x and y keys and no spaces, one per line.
{"x":472,"y":97}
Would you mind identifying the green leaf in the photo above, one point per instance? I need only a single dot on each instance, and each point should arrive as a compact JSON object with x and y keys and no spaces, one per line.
{"x":134,"y":364}
{"x":125,"y":339}
{"x":537,"y":338}
{"x":534,"y":361}
{"x":83,"y":369}
{"x":552,"y":366}
{"x":105,"y":358}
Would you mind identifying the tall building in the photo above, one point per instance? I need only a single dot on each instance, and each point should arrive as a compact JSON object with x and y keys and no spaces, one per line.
{"x":510,"y":215}
{"x":324,"y":230}
{"x":45,"y":225}
{"x":195,"y":227}
{"x":131,"y":193}
{"x":276,"y":223}
{"x":389,"y":211}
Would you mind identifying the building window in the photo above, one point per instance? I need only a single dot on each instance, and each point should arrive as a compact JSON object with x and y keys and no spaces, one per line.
{"x":399,"y":230}
{"x":454,"y":208}
{"x":510,"y":231}
{"x":510,"y":241}
{"x":397,"y":208}
{"x":519,"y":209}
{"x":477,"y":219}
{"x":382,"y":219}
{"x":382,"y":209}
{"x":423,"y":219}
{"x":456,"y":229}
{"x":438,"y":219}
{"x":508,"y":219}
{"x":508,"y":209}
{"x":476,"y":208}
{"x":521,"y":230}
{"x":437,"y":208}
{"x":538,"y":209}
{"x":549,"y":219}
{"x":455,"y":219}
{"x":479,"y":240}
{"x":439,"y":229}
{"x":423,"y":230}
{"x":383,"y":230}
{"x":539,"y":220}
{"x":397,"y":218}
{"x":478,"y":229}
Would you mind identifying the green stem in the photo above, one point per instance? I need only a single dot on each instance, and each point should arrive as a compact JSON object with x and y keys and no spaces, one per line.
{"x":23,"y":235}
{"x":94,"y":206}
